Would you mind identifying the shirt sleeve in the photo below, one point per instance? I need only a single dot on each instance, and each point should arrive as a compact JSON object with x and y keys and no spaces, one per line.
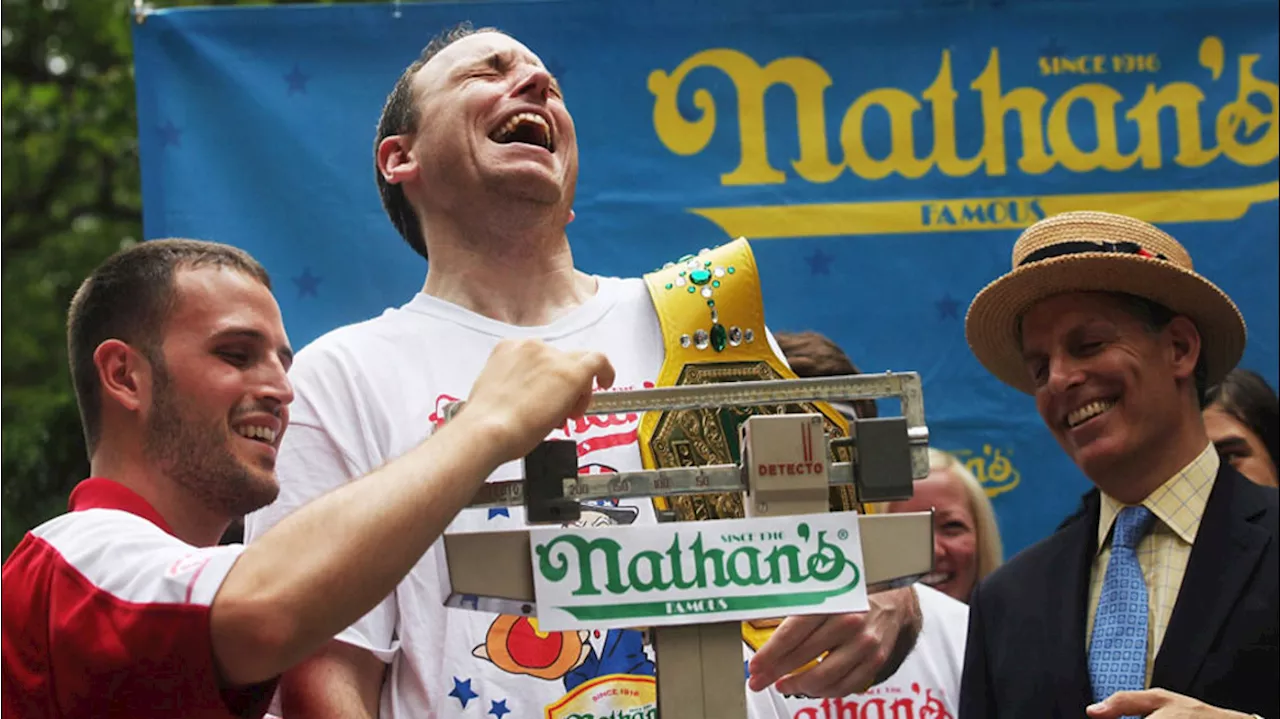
{"x":122,"y":608}
{"x":326,"y":446}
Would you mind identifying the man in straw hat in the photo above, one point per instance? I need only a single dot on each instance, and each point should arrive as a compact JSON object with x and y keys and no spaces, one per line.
{"x":1159,"y":597}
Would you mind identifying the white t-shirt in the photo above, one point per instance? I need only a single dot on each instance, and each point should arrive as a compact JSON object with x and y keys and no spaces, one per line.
{"x":926,"y":686}
{"x":367,"y":393}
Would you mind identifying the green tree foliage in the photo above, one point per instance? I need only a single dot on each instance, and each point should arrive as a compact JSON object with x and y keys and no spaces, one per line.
{"x":71,"y":197}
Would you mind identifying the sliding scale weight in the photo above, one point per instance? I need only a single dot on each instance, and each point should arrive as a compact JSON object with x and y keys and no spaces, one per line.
{"x":700,"y":675}
{"x":880,"y":445}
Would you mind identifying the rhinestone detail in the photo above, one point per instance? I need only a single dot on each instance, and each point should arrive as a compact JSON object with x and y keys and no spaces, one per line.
{"x":718,"y":337}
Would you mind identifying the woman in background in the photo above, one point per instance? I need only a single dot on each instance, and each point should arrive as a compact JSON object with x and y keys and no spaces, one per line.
{"x":1240,"y":416}
{"x":966,"y":539}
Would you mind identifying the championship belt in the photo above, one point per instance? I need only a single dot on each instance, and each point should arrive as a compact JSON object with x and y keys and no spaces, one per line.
{"x":711,"y":314}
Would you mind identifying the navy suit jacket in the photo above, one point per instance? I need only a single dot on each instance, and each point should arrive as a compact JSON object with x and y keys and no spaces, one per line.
{"x":1025,"y":655}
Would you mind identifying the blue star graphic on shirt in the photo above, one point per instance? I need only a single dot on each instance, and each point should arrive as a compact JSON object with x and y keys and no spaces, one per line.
{"x":499,"y":512}
{"x":297,"y":80}
{"x":170,"y":134}
{"x":307,"y":283}
{"x":819,"y":262}
{"x":462,"y":691}
{"x":499,"y":709}
{"x":948,"y":308}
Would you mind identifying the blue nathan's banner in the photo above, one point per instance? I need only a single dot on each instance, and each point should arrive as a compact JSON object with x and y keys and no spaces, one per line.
{"x":881,"y":156}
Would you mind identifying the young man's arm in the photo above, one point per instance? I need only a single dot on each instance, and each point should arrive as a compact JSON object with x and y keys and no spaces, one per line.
{"x":323,"y":567}
{"x":345,"y":678}
{"x":339,"y":680}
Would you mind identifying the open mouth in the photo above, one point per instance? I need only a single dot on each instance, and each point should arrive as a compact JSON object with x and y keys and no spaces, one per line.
{"x":525,"y":128}
{"x":1077,"y":417}
{"x":258,"y":433}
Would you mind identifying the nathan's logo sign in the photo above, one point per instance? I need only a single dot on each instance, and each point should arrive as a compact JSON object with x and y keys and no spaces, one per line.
{"x":697,"y":572}
{"x":992,"y":468}
{"x":1091,"y":127}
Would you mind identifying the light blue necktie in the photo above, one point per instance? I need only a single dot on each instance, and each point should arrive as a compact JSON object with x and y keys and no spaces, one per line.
{"x":1118,"y":650}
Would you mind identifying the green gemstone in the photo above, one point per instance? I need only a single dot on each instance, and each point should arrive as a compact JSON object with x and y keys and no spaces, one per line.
{"x":699,"y":277}
{"x":716,"y":283}
{"x":692,"y":289}
{"x":711,"y":303}
{"x":669,"y":285}
{"x":682,"y":273}
{"x":707,"y":263}
{"x":719,"y":337}
{"x":730,"y":270}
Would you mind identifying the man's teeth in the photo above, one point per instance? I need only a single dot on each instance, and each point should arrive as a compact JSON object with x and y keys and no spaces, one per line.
{"x":504,"y":133}
{"x":1088,"y":412}
{"x":253,"y":431}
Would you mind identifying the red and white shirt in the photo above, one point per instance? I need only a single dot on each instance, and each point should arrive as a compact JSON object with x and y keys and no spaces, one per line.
{"x":106,"y":614}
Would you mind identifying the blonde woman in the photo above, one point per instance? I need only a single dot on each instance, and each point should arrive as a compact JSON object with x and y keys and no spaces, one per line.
{"x":966,"y":540}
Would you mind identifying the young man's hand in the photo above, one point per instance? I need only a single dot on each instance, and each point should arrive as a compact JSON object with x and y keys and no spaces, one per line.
{"x":528,"y":388}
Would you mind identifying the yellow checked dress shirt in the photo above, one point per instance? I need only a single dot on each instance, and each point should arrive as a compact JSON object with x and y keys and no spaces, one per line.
{"x":1178,"y":506}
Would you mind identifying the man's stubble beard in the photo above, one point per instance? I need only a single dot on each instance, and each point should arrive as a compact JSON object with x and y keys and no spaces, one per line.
{"x":196,"y":455}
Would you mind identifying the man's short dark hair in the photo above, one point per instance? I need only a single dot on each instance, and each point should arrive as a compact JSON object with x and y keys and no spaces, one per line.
{"x":128,"y":298}
{"x":1155,"y":317}
{"x":399,"y":117}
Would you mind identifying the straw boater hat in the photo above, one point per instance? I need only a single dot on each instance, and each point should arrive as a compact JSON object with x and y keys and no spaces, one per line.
{"x":1099,"y":252}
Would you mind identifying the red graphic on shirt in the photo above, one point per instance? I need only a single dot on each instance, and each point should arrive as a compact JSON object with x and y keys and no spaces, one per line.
{"x":517,"y":646}
{"x":619,"y":429}
{"x":437,"y":417}
{"x":883,"y":702}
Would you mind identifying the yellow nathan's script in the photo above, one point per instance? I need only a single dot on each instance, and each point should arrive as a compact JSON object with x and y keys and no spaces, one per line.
{"x":1245,"y":131}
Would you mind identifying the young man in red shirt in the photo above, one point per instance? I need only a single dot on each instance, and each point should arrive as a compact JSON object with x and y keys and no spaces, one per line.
{"x":125,"y":606}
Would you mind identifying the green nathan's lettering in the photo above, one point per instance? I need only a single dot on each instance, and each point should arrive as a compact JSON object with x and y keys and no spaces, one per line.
{"x":697,"y":606}
{"x":582,"y":552}
{"x":688,"y":565}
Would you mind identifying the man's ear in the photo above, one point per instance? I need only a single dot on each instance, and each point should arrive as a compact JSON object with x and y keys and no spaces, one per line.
{"x":1184,"y":345}
{"x":394,"y":159}
{"x":125,"y":375}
